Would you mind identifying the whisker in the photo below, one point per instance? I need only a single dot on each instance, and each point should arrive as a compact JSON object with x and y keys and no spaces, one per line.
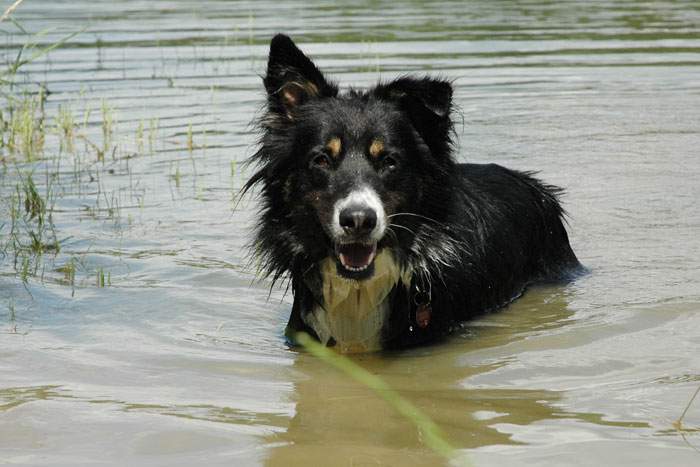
{"x":413,"y":214}
{"x":402,"y":227}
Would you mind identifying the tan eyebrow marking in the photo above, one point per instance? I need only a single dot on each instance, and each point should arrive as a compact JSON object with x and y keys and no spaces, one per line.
{"x":334,"y":146}
{"x":376,"y":148}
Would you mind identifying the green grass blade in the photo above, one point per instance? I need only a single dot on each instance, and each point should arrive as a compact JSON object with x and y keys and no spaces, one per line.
{"x":433,"y":436}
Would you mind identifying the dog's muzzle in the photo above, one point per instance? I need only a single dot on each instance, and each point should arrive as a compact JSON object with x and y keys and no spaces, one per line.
{"x":359,"y":223}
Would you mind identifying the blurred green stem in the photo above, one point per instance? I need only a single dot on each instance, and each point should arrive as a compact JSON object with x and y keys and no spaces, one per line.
{"x":433,"y":437}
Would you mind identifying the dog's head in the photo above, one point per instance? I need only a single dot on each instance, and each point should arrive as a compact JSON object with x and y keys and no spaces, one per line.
{"x":347,"y":174}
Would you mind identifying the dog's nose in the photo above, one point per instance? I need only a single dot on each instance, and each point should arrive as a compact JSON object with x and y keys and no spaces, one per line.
{"x":358,"y":219}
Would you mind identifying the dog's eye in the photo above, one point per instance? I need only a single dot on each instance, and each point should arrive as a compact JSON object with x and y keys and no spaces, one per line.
{"x":388,"y":163}
{"x":321,"y":160}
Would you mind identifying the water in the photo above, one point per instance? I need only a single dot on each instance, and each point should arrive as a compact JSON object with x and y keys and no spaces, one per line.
{"x":179,"y":359}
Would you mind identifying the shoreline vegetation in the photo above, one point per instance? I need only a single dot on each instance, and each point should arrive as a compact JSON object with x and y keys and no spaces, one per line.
{"x":44,"y":148}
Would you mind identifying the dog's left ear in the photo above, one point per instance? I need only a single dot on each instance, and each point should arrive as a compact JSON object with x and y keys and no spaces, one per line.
{"x":292,"y":78}
{"x":428,"y":103}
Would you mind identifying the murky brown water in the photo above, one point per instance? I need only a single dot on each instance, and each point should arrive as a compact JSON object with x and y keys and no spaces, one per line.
{"x":180,"y":360}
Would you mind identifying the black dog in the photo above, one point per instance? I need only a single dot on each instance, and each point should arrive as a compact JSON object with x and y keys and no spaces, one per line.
{"x":388,"y":241}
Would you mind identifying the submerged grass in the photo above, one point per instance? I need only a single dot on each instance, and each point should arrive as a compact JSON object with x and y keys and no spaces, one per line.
{"x":433,"y":436}
{"x":678,"y":424}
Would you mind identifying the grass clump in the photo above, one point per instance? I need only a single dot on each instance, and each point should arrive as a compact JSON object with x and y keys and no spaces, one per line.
{"x":34,"y":220}
{"x":107,"y":129}
{"x":22,"y":114}
{"x":23,"y":126}
{"x":66,"y":128}
{"x":103,"y":280}
{"x":29,"y":232}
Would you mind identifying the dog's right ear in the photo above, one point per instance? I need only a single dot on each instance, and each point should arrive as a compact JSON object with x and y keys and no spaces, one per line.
{"x":428,"y":104}
{"x":292,"y":79}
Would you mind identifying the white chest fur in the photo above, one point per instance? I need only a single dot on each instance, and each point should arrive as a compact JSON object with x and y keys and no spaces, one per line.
{"x":354,"y":312}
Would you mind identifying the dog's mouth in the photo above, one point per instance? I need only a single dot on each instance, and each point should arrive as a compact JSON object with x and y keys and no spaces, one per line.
{"x":357,"y":257}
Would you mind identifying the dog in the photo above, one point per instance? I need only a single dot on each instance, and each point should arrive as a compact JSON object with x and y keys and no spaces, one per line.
{"x":388,"y":242}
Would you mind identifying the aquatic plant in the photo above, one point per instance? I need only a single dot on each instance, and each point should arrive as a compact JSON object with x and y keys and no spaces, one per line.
{"x":30,"y":231}
{"x":108,"y":123}
{"x":65,"y":128}
{"x":678,"y":424}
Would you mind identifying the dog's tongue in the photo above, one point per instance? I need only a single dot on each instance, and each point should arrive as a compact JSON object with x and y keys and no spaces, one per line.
{"x":356,"y":255}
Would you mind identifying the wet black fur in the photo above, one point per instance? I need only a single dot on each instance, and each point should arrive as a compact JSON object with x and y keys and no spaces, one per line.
{"x":475,"y":235}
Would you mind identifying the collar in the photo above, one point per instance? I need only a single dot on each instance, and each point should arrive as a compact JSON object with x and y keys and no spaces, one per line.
{"x":423,"y":311}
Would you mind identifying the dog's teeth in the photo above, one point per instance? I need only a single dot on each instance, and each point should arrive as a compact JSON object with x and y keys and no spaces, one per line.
{"x":347,"y":262}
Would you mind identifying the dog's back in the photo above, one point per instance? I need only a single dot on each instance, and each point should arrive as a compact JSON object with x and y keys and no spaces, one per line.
{"x":513,"y":229}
